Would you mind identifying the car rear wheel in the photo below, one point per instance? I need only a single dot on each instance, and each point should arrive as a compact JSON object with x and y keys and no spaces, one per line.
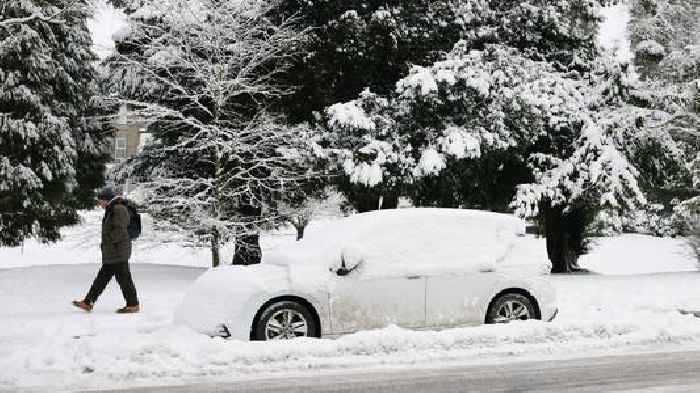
{"x":510,"y":307}
{"x":285,"y":320}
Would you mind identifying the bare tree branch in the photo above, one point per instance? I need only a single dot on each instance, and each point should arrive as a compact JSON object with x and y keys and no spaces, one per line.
{"x":194,"y":64}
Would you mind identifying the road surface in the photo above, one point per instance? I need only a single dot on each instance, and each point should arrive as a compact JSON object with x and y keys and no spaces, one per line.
{"x":649,"y":372}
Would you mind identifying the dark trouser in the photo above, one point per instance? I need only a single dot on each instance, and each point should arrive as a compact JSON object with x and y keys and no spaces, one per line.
{"x":123,"y":275}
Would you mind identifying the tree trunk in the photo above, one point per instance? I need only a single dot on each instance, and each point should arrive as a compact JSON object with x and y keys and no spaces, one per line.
{"x":215,"y":255}
{"x":366,"y":199}
{"x":560,"y":249}
{"x":248,"y":250}
{"x":215,"y":240}
{"x":300,"y":230}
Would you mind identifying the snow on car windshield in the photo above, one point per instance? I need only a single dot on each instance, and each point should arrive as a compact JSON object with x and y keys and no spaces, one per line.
{"x":406,"y":241}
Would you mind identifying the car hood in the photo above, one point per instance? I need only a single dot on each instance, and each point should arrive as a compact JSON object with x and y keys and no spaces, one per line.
{"x":224,"y":293}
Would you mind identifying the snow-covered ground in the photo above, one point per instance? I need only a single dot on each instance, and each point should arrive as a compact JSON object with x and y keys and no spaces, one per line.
{"x":639,"y":254}
{"x":81,"y":244}
{"x":627,"y":303}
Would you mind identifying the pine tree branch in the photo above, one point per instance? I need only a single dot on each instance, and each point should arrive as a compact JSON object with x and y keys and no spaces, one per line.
{"x":39,"y":16}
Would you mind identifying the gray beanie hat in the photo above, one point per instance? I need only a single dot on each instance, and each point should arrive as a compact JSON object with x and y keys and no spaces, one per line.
{"x":106,"y":194}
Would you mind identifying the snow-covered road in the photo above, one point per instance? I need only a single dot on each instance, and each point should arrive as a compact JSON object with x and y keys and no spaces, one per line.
{"x":600,"y":314}
{"x":649,"y":372}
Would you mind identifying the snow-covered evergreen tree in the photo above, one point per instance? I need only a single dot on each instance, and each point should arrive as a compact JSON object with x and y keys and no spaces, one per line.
{"x":204,"y":70}
{"x":50,"y":154}
{"x":561,"y":34}
{"x":665,"y":36}
{"x":372,"y":44}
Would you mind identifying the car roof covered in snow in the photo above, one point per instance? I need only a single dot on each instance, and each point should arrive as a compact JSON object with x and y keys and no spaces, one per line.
{"x":406,"y":241}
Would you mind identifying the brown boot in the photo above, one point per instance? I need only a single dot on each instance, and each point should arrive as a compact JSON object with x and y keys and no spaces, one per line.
{"x":83,"y":304}
{"x":129,"y":309}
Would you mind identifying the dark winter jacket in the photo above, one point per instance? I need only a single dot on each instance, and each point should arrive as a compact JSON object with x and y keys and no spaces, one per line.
{"x":116,"y":244}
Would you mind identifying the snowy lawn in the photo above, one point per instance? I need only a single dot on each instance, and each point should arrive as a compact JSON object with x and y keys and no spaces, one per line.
{"x":46,"y":342}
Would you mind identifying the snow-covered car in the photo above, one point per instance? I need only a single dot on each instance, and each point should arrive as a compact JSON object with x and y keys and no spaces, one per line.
{"x":415,"y":268}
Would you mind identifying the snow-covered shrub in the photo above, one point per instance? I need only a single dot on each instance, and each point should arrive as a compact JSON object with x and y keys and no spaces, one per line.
{"x":686,"y":216}
{"x":653,"y":219}
{"x":650,"y":48}
{"x":686,"y":219}
{"x":665,"y":36}
{"x":605,"y":223}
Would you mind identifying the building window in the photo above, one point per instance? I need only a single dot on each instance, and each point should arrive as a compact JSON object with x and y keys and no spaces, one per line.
{"x":120,"y":148}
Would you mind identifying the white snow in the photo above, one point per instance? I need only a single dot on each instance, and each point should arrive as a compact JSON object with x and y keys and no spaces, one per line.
{"x":419,"y":81}
{"x":460,"y":143}
{"x":364,"y":173}
{"x":625,"y":305}
{"x":650,"y":47}
{"x":431,"y":163}
{"x":105,"y":23}
{"x":639,"y":254}
{"x":81,"y":244}
{"x":349,"y":114}
{"x":613,"y":30}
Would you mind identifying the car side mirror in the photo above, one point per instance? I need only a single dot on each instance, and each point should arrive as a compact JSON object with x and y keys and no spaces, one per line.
{"x":343,"y":270}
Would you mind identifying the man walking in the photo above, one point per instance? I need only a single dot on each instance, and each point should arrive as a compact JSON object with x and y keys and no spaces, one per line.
{"x":116,"y":250}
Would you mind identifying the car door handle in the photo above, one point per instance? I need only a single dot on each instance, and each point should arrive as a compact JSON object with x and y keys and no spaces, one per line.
{"x":413,"y":277}
{"x":486,"y":270}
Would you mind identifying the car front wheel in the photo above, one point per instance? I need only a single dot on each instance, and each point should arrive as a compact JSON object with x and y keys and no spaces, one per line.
{"x":510,"y":307}
{"x":285,"y":320}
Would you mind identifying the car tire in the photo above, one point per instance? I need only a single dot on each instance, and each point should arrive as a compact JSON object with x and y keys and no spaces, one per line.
{"x":510,"y":307}
{"x":285,"y":320}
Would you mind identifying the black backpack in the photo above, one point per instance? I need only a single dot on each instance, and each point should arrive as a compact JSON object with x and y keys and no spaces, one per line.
{"x":134,"y":227}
